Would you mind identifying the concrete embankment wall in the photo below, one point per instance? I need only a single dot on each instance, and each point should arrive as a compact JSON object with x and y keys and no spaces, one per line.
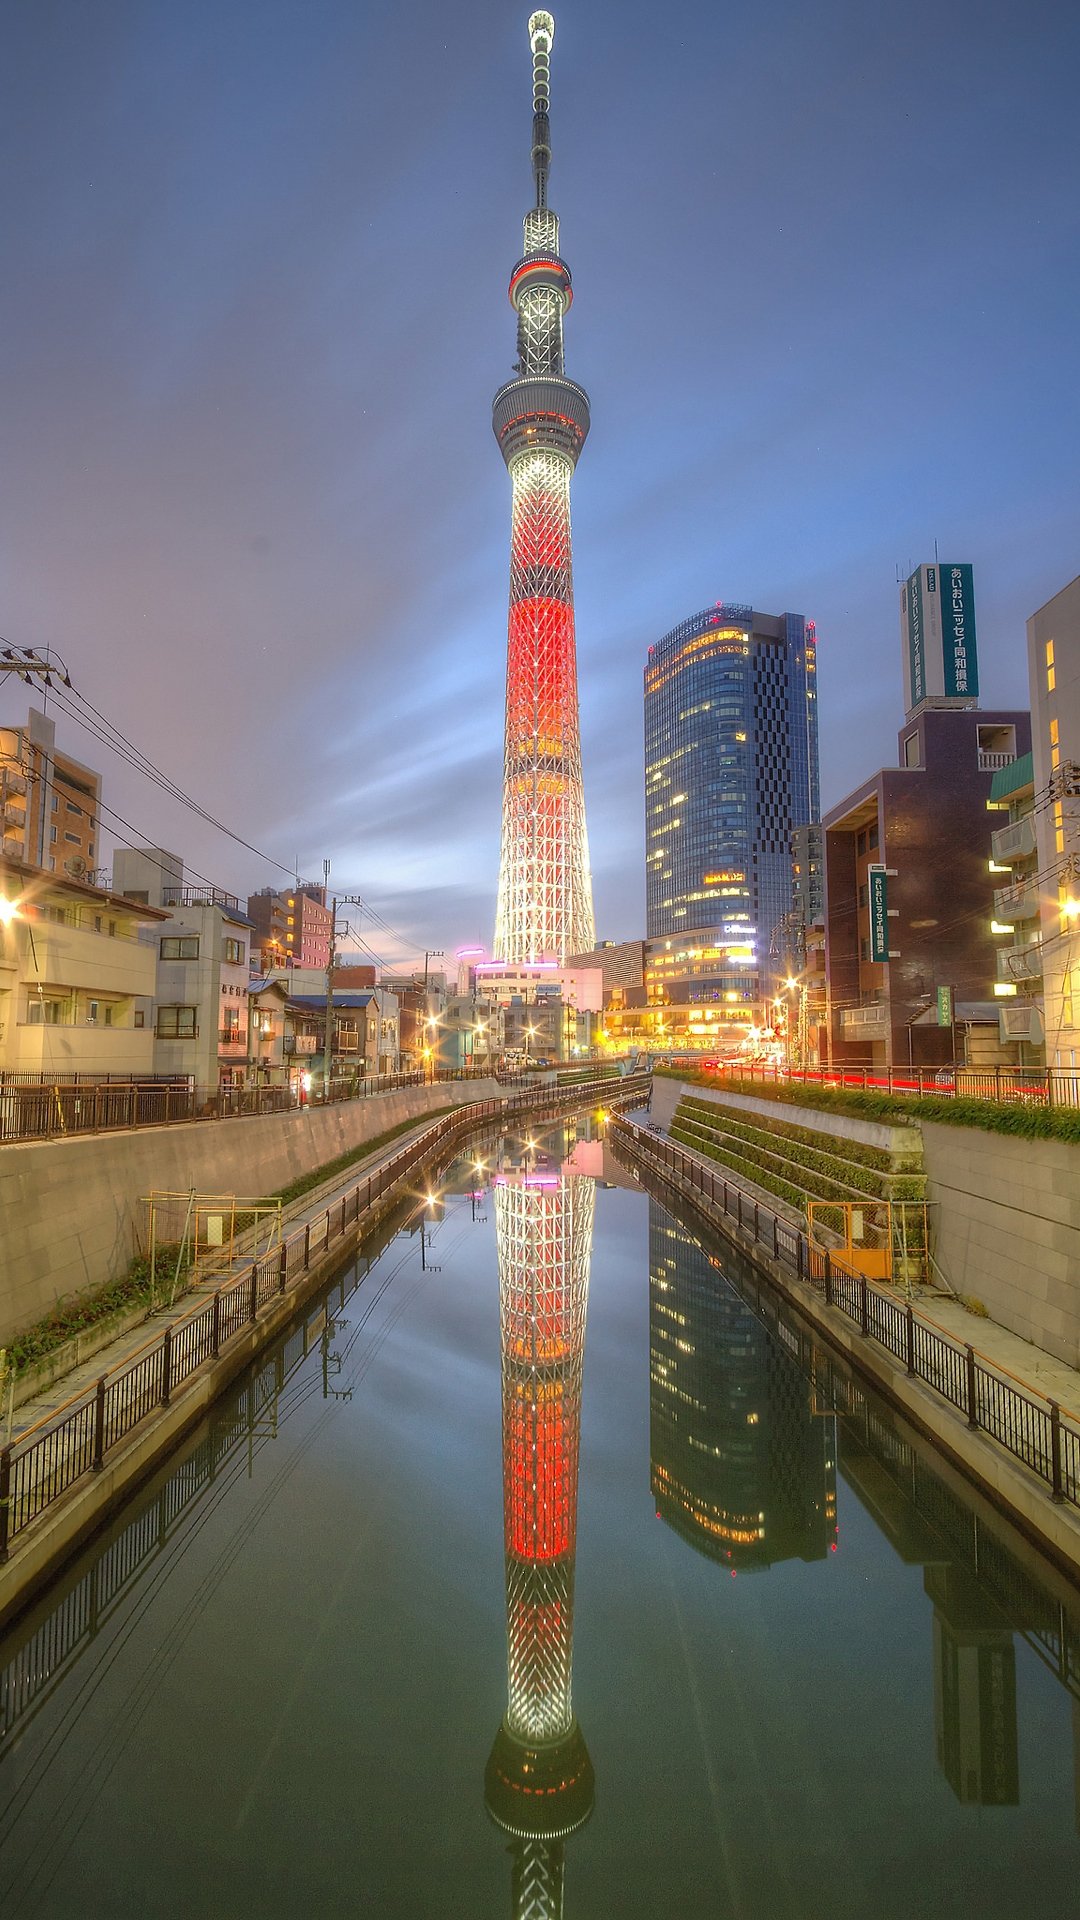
{"x":1004,"y":1210}
{"x":1006,"y":1219}
{"x":73,"y":1212}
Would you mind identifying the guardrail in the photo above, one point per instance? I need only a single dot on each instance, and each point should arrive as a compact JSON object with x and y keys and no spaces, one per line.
{"x":1035,"y":1085}
{"x":75,"y":1439}
{"x":1027,"y":1424}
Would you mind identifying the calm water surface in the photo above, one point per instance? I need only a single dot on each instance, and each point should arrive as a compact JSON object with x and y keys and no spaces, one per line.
{"x":323,"y":1664}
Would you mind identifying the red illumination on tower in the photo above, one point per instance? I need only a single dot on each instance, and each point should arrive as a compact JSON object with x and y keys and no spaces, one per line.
{"x":541,"y":420}
{"x":539,"y":1780}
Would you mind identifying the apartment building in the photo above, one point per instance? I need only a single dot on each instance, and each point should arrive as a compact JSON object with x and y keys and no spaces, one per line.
{"x":201,"y":1020}
{"x":77,"y":976}
{"x":49,"y":801}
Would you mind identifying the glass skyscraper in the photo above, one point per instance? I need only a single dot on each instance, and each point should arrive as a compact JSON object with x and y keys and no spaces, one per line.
{"x":731,"y":766}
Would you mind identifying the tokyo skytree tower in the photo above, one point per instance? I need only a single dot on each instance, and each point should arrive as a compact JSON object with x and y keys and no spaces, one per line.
{"x":538,"y":1785}
{"x":541,"y":418}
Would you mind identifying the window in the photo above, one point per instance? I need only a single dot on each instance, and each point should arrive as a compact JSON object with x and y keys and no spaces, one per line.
{"x":138,"y":1018}
{"x":230,"y":1023}
{"x":43,"y":1012}
{"x":234,"y":953}
{"x":862,"y":894}
{"x":107,"y":1014}
{"x":73,"y":839}
{"x":872,"y":836}
{"x":52,"y":836}
{"x":176,"y":1023}
{"x":72,"y":808}
{"x":1051,"y":676}
{"x":91,"y":1013}
{"x":55,"y":803}
{"x":180,"y":946}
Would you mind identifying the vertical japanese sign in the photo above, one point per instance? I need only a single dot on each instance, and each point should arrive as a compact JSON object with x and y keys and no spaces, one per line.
{"x":916,"y":637}
{"x":878,"y":895}
{"x":944,"y":1007}
{"x":958,"y":653}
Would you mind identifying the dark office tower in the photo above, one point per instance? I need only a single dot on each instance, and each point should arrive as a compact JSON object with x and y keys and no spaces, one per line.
{"x":743,"y":1464}
{"x":538,"y":1786}
{"x":974,"y":1690}
{"x":731,"y":766}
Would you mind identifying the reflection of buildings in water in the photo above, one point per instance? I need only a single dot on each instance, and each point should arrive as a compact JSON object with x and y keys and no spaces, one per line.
{"x":975,"y":1728}
{"x":975,"y":1721}
{"x":743,"y":1463}
{"x":538,"y":1785}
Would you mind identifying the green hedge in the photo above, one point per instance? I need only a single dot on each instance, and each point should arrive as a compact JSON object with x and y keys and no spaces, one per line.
{"x":854,"y":1150}
{"x":819,"y":1185}
{"x":816,"y":1158}
{"x":782,"y":1189}
{"x":990,"y":1116}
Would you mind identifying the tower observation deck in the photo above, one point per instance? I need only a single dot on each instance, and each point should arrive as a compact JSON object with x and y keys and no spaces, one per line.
{"x":541,"y":420}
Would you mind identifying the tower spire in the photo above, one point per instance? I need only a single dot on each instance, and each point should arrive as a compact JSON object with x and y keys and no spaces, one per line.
{"x":541,"y":35}
{"x":541,"y":419}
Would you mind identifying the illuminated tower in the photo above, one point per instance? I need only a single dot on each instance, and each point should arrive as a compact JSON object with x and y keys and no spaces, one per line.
{"x":541,"y":419}
{"x":538,"y":1785}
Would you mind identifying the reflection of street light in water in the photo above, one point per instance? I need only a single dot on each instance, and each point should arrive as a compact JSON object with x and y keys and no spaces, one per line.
{"x":538,"y":1784}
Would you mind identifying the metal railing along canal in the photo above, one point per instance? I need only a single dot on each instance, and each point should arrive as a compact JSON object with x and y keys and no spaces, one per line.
{"x":1027,"y":1424}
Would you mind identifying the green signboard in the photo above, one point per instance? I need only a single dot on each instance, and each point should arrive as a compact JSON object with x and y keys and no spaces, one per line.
{"x":916,"y":639}
{"x":878,"y":889}
{"x":944,"y":1007}
{"x":960,"y":659}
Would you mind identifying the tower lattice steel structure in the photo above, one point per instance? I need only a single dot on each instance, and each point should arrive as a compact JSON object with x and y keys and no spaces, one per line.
{"x":541,"y":419}
{"x":538,"y":1785}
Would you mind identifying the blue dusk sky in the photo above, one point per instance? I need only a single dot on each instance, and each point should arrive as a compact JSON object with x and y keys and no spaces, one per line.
{"x":253,"y":312}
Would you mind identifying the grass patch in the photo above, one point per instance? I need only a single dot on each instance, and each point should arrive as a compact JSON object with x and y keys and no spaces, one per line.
{"x":134,"y":1289}
{"x":296,"y":1189}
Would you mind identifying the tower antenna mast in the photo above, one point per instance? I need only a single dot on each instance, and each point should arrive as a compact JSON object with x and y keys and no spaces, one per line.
{"x":541,"y":420}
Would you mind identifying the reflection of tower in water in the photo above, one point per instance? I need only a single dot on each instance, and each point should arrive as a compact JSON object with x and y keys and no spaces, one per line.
{"x":538,"y":1785}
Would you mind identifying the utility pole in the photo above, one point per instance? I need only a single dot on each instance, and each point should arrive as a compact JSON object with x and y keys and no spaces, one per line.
{"x":328,"y":1028}
{"x":430,"y":953}
{"x":344,"y":900}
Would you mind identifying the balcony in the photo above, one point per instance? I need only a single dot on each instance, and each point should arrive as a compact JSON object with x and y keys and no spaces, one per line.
{"x":865,"y":1023}
{"x":232,"y":1041}
{"x":1014,"y":842}
{"x":1020,"y":963}
{"x":990,"y":762}
{"x":1022,"y":1021}
{"x":199,"y":897}
{"x":1020,"y":902}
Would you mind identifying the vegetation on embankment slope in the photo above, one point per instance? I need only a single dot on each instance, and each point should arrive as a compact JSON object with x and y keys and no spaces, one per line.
{"x":1026,"y":1120}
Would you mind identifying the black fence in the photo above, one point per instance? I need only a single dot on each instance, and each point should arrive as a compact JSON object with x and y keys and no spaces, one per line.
{"x":75,"y":1440}
{"x":1026,"y":1086}
{"x":1029,"y":1426}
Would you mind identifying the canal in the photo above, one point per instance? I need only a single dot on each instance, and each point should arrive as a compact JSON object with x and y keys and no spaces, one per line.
{"x":546,"y":1567}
